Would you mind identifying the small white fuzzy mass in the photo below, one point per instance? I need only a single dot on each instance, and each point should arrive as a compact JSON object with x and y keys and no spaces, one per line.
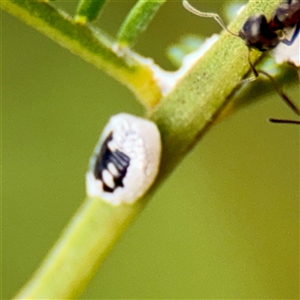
{"x":167,"y":80}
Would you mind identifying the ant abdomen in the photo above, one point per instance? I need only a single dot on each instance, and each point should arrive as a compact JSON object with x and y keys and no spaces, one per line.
{"x":286,"y":15}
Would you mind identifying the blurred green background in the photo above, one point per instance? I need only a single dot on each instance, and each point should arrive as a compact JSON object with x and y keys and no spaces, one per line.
{"x":224,"y":225}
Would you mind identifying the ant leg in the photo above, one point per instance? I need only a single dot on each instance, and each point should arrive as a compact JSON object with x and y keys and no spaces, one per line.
{"x":279,"y":91}
{"x":283,"y":121}
{"x":255,"y":72}
{"x":290,"y":41}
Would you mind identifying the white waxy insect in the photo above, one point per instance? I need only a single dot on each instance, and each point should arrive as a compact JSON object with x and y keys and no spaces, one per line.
{"x":125,"y":161}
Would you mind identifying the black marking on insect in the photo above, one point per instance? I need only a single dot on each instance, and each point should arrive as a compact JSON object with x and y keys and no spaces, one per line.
{"x":263,"y":35}
{"x":125,"y":161}
{"x":119,"y":161}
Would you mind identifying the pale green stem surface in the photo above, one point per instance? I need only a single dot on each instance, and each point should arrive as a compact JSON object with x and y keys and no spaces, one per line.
{"x":82,"y":246}
{"x":183,"y":117}
{"x":188,"y":111}
{"x":89,"y":43}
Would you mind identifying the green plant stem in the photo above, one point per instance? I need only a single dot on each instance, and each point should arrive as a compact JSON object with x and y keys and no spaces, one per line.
{"x":90,"y":44}
{"x":183,"y":118}
{"x":188,"y":111}
{"x":85,"y":242}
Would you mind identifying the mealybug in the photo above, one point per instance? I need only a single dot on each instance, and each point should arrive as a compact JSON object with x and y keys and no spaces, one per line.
{"x":125,"y":161}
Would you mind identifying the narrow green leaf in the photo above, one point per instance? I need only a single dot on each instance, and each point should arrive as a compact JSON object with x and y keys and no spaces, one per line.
{"x":137,"y":20}
{"x":88,"y":10}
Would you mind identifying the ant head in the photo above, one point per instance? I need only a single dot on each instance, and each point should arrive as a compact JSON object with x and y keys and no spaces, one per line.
{"x":257,"y":34}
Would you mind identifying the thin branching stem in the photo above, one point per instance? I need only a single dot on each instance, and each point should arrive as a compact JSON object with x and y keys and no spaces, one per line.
{"x":91,"y":44}
{"x":183,"y":117}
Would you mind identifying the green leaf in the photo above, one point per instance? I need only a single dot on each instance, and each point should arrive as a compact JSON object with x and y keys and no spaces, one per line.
{"x":88,"y":10}
{"x":138,"y":20}
{"x":93,"y":45}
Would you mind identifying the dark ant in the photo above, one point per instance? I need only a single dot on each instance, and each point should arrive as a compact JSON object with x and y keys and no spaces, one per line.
{"x":259,"y":34}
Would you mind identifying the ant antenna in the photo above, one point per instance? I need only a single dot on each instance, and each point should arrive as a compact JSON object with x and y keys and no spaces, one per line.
{"x":199,"y":13}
